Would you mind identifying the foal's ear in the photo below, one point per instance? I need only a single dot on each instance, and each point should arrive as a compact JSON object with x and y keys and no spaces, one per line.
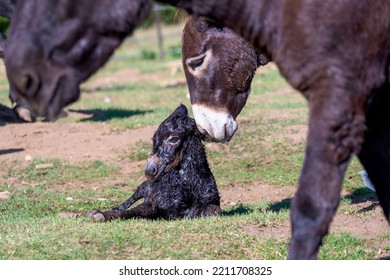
{"x":262,"y":58}
{"x":191,"y":125}
{"x":182,"y":110}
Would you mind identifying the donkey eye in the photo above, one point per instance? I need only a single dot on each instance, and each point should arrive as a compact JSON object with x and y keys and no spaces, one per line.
{"x":196,"y":61}
{"x":195,"y":65}
{"x":245,"y":86}
{"x":174,"y":140}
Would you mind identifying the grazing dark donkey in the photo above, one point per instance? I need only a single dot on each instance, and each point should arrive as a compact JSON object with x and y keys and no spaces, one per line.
{"x":22,"y":108}
{"x":53,"y":56}
{"x":6,"y":9}
{"x":336,"y":53}
{"x":179,"y":181}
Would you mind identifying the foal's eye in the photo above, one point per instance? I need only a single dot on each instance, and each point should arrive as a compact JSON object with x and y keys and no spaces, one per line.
{"x":174,"y":140}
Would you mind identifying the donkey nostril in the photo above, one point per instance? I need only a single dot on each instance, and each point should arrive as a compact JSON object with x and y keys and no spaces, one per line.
{"x":31,"y":85}
{"x":151,"y":170}
{"x":202,"y":130}
{"x":26,"y":84}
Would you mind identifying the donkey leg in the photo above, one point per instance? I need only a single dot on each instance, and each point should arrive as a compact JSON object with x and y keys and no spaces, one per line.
{"x":204,"y":211}
{"x":99,"y":216}
{"x":144,"y":210}
{"x":138,"y":194}
{"x":334,"y":134}
{"x":212,"y":210}
{"x":375,"y":155}
{"x":376,"y":160}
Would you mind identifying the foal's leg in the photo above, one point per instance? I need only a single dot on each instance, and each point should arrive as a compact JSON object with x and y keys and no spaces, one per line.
{"x":212,"y":210}
{"x":144,"y":210}
{"x":138,"y":194}
{"x":196,"y":211}
{"x":375,"y":154}
{"x":335,"y":132}
{"x":99,"y":216}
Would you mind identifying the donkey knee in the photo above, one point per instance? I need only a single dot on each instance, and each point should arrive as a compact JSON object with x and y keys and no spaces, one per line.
{"x":212,"y":210}
{"x":314,"y":212}
{"x":310,"y":220}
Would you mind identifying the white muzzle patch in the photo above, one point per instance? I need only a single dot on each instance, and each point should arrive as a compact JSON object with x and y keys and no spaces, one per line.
{"x":219,"y":125}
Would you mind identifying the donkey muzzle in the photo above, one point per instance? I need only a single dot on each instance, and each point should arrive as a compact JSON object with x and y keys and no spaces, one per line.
{"x":215,"y":125}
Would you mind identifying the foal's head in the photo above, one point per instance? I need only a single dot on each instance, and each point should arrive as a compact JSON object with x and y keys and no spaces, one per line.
{"x":169,"y":143}
{"x":219,"y":66}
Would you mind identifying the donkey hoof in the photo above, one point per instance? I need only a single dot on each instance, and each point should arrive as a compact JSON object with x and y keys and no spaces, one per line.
{"x":96,"y":216}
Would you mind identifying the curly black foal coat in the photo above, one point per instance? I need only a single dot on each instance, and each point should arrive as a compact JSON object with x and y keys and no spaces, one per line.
{"x":179,"y":181}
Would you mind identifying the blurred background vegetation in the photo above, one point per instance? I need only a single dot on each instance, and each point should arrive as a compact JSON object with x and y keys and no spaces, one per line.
{"x":4,"y":22}
{"x":169,"y":15}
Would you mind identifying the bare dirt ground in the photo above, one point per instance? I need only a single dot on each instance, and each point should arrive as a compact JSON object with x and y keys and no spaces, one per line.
{"x":73,"y":142}
{"x":77,"y":142}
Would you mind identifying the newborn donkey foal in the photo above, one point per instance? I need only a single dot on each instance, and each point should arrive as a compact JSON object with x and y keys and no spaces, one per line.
{"x":179,"y":181}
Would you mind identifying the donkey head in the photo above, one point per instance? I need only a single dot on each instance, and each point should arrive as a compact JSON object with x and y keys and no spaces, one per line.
{"x":53,"y":46}
{"x":169,"y":142}
{"x":219,"y":66}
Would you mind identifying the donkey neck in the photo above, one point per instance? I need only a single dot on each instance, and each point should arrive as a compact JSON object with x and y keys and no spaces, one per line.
{"x":194,"y":159}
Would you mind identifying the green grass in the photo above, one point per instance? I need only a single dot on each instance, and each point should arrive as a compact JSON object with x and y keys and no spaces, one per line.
{"x":141,"y":151}
{"x":49,"y":237}
{"x":26,"y":235}
{"x":343,"y":246}
{"x":263,"y":151}
{"x":60,"y":172}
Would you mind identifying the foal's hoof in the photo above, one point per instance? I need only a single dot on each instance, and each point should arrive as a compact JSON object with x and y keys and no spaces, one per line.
{"x":96,"y":216}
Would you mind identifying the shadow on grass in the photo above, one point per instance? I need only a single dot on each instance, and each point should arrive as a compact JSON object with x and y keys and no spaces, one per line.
{"x":245,"y":210}
{"x":98,"y":115}
{"x":280,"y":205}
{"x":363,"y":195}
{"x":238,"y":210}
{"x":114,"y":88}
{"x":10,"y":151}
{"x":7,"y":116}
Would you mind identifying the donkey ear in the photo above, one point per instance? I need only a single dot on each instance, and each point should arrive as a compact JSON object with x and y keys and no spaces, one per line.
{"x":262,"y":58}
{"x":203,"y":24}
